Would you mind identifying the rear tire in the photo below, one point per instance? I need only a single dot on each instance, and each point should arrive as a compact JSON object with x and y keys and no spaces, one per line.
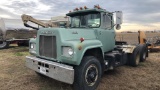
{"x":134,"y":58}
{"x":143,"y":52}
{"x":4,"y":44}
{"x":87,"y":74}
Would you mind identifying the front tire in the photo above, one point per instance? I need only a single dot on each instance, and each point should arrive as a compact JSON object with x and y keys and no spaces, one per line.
{"x":87,"y":74}
{"x":4,"y":44}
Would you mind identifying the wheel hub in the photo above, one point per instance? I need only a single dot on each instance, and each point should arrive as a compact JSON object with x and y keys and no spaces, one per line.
{"x":91,"y":75}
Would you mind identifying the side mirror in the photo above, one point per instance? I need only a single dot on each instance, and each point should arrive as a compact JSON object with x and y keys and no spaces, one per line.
{"x":119,"y":17}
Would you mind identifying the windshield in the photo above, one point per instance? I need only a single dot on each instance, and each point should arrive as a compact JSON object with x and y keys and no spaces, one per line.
{"x":85,"y":20}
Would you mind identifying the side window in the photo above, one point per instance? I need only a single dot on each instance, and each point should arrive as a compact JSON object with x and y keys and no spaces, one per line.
{"x":107,"y":21}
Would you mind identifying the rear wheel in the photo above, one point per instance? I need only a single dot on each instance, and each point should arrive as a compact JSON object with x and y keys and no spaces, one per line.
{"x":134,"y":58}
{"x":87,"y":74}
{"x":143,"y":52}
{"x":4,"y":44}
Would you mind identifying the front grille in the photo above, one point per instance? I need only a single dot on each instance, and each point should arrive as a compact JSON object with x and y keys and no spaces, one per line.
{"x":47,"y":46}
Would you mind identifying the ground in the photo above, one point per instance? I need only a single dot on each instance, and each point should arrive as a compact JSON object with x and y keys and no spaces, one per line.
{"x":15,"y":76}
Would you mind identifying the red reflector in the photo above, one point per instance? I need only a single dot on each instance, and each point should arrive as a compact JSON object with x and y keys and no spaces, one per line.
{"x":81,"y":39}
{"x":34,"y":36}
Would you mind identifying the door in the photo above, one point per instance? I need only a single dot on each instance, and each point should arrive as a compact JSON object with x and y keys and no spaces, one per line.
{"x":106,"y":33}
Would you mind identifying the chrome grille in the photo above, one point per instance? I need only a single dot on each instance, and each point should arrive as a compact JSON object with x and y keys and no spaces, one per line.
{"x":47,"y":46}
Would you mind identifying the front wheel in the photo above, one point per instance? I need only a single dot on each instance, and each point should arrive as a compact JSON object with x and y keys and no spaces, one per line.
{"x":4,"y":44}
{"x":87,"y":74}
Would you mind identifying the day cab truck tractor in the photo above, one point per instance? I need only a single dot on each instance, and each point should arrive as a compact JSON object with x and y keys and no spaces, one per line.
{"x":80,"y":53}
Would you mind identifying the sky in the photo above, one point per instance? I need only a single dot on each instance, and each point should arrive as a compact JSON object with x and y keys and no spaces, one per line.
{"x":137,"y":14}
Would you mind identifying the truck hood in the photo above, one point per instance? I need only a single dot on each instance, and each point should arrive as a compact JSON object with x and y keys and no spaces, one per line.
{"x":74,"y":33}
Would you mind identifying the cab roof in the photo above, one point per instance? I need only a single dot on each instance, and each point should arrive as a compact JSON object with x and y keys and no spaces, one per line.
{"x":86,"y":10}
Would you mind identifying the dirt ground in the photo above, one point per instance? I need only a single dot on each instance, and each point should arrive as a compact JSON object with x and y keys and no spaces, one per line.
{"x":15,"y":76}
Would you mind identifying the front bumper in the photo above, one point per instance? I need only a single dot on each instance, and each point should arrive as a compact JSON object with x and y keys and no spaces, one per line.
{"x":57,"y":71}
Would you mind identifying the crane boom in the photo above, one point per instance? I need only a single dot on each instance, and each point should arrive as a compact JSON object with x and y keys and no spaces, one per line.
{"x":26,"y":18}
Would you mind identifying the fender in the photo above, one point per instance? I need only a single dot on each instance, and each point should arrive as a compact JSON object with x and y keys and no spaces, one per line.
{"x":86,"y":45}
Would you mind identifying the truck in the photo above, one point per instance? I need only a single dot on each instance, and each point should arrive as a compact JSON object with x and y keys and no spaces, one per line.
{"x":13,"y":30}
{"x":80,"y":53}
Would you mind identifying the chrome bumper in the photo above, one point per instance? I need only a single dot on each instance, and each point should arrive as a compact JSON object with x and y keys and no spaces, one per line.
{"x":57,"y":71}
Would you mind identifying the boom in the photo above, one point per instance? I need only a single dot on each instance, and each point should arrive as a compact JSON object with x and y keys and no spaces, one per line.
{"x":26,"y":18}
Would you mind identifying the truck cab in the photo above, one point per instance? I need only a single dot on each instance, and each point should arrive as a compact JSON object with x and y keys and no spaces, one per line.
{"x":98,"y":20}
{"x":80,"y":53}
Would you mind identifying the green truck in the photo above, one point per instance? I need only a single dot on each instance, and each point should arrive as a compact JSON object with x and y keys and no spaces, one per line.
{"x":80,"y":53}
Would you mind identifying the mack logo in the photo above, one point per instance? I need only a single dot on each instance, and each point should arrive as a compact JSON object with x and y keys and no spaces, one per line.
{"x":74,"y":32}
{"x":47,"y":32}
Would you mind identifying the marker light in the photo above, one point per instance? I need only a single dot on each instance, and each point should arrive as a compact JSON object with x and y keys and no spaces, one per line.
{"x":77,"y":9}
{"x":80,"y":8}
{"x":85,"y":7}
{"x":97,"y":6}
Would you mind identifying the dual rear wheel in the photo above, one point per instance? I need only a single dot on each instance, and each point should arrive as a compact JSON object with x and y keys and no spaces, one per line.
{"x":139,"y":55}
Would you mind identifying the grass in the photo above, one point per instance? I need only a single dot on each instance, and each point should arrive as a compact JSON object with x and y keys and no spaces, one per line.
{"x":15,"y":76}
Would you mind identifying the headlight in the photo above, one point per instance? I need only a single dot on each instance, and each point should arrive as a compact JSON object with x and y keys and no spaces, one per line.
{"x":32,"y":49}
{"x":32,"y":46}
{"x":70,"y":51}
{"x":67,"y":51}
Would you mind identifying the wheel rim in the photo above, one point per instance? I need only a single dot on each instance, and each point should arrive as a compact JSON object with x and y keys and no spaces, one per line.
{"x":137,"y":59}
{"x":91,"y":75}
{"x":3,"y":44}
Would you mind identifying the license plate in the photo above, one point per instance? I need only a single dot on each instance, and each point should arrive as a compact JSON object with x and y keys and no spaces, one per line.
{"x":43,"y":70}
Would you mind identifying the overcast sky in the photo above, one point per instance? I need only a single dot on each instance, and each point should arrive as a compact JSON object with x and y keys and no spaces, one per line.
{"x":138,"y":14}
